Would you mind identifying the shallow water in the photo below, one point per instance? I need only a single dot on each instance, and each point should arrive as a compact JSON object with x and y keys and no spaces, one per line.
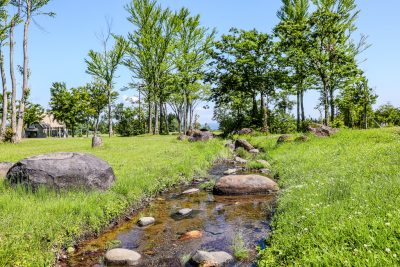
{"x":219,"y":218}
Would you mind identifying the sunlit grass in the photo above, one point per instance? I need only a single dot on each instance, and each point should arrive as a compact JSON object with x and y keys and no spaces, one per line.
{"x":34,"y":227}
{"x":340,"y":200}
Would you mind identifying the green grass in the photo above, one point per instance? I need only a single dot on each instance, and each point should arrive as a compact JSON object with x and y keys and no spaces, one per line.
{"x":35,"y":227}
{"x":240,"y":251}
{"x":340,"y":200}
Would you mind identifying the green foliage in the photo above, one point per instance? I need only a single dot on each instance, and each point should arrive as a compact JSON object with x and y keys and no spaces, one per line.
{"x":339,"y":204}
{"x":209,"y":185}
{"x":129,"y":121}
{"x":387,"y":115}
{"x":254,"y":165}
{"x":241,"y":152}
{"x":35,"y":227}
{"x":240,"y":251}
{"x":34,"y":113}
{"x":70,"y":106}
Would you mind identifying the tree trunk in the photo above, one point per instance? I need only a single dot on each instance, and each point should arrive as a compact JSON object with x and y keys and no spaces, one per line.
{"x":13,"y":83}
{"x":303,"y":116}
{"x":326,"y":102}
{"x":161,"y":116}
{"x":5,"y":97}
{"x":110,"y":129}
{"x":156,"y":115}
{"x":332,"y":103}
{"x":365,"y":117}
{"x":150,"y":119}
{"x":264,"y":114}
{"x":25,"y":89}
{"x":166,"y":119}
{"x":298,"y":108}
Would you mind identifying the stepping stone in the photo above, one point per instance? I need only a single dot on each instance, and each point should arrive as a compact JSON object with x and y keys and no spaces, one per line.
{"x":245,"y":184}
{"x":144,"y":221}
{"x":190,"y":191}
{"x":230,"y":171}
{"x":191,"y":235}
{"x":265,"y":171}
{"x":121,"y":256}
{"x":240,"y":160}
{"x":185,"y":211}
{"x":204,"y":258}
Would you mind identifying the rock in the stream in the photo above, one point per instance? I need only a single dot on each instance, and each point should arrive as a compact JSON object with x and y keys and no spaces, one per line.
{"x":229,"y":144}
{"x":211,"y":259}
{"x":191,"y":191}
{"x":245,"y":184}
{"x":240,"y":160}
{"x":230,"y":171}
{"x":63,"y":171}
{"x":254,"y":151}
{"x":243,"y":143}
{"x":121,"y":256}
{"x":144,"y":221}
{"x":4,"y":167}
{"x":185,"y":211}
{"x":191,"y":235}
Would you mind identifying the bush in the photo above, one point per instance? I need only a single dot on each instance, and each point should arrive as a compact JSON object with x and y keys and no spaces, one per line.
{"x":8,"y":135}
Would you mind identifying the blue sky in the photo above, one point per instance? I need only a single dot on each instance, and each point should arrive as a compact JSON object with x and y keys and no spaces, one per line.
{"x":59,"y":46}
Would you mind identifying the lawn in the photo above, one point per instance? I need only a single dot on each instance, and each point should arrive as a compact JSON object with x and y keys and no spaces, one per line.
{"x":35,"y":227}
{"x":340,"y":200}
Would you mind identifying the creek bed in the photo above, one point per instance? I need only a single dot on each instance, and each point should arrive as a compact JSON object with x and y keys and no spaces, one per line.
{"x":221,"y":219}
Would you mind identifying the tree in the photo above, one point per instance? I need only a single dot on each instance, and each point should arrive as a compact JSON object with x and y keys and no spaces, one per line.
{"x":387,"y":115}
{"x":293,"y":32}
{"x":150,"y":51}
{"x":331,"y":26}
{"x":72,"y":107}
{"x":193,"y":43}
{"x":30,"y":8}
{"x":98,"y":102}
{"x":243,"y":70}
{"x":3,"y":37}
{"x":103,"y":67}
{"x":34,"y":113}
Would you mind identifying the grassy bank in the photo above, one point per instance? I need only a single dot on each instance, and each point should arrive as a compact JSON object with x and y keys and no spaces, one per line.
{"x":34,"y":227}
{"x":340,"y":203}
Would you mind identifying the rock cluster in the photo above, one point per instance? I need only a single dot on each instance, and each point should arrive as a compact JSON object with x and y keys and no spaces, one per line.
{"x":321,"y":130}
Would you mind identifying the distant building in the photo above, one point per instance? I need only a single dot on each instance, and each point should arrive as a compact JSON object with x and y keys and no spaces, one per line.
{"x":48,"y":127}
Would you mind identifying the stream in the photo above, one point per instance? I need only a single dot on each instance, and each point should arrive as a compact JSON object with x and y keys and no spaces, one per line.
{"x":221,"y":220}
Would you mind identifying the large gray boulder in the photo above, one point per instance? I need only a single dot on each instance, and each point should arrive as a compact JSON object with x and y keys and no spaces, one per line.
{"x":63,"y":171}
{"x":4,"y":167}
{"x":245,"y":184}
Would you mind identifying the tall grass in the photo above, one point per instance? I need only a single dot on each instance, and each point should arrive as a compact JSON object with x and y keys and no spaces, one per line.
{"x":35,"y":227}
{"x":340,"y":200}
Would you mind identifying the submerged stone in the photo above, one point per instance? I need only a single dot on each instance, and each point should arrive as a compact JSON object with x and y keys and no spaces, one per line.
{"x":144,"y":221}
{"x":121,"y":256}
{"x":211,"y":259}
{"x":191,"y":235}
{"x":185,"y":211}
{"x":190,"y":191}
